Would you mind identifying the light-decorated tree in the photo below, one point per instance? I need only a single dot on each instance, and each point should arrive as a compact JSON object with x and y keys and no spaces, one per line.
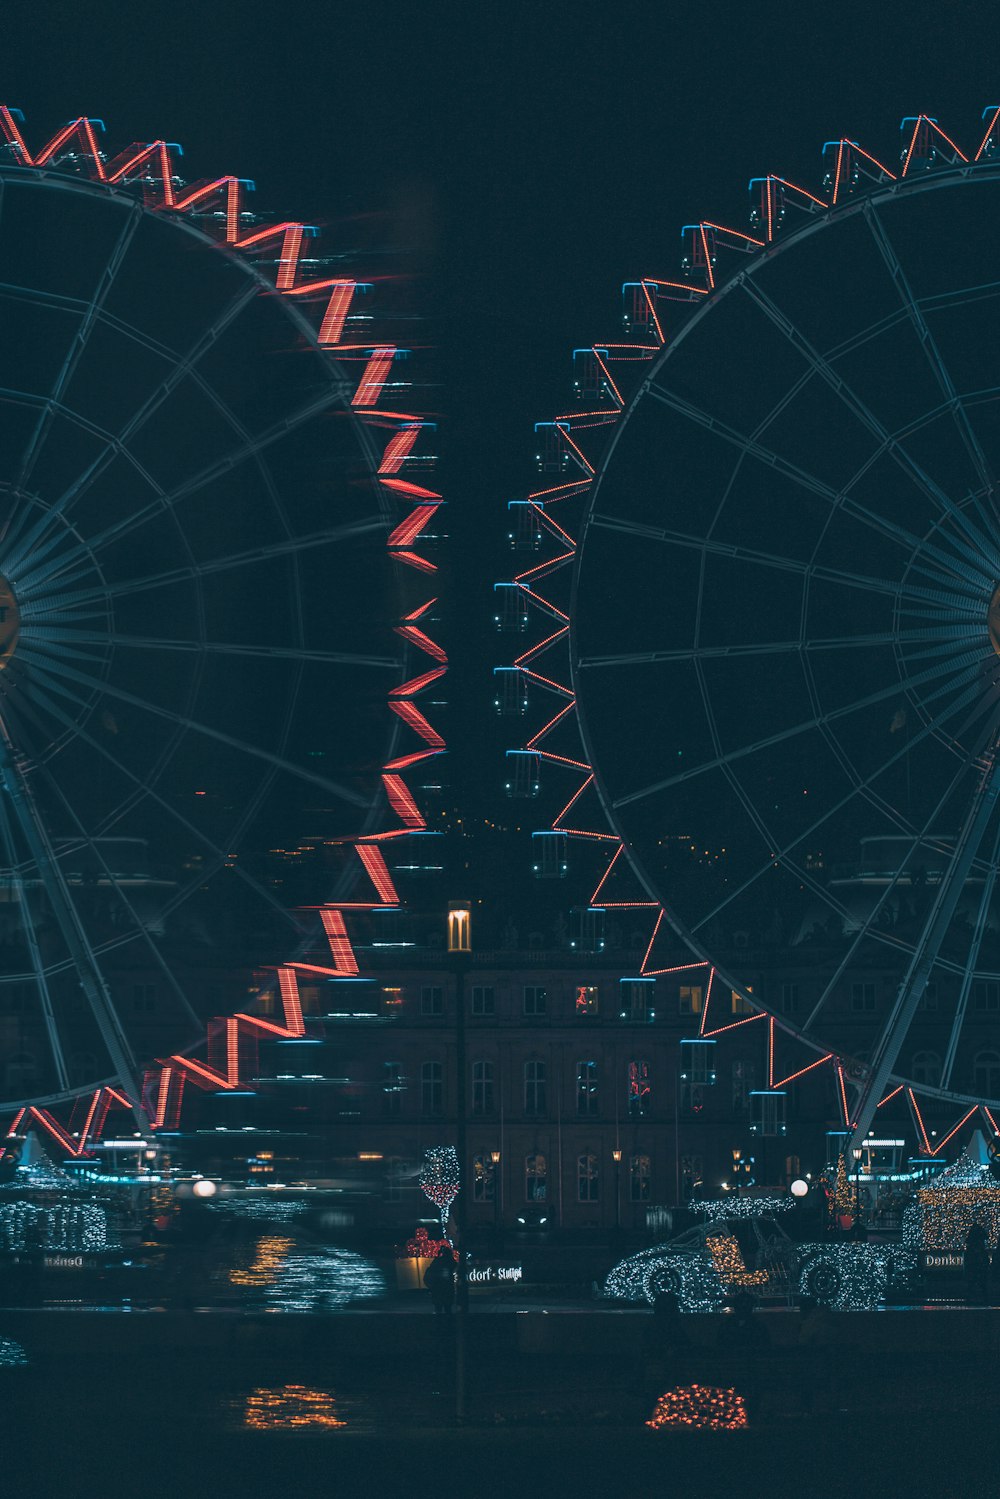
{"x":440,"y":1180}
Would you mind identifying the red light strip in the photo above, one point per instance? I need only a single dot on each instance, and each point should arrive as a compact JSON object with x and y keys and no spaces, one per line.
{"x":601,"y":882}
{"x":843,"y":1096}
{"x":803,"y":1070}
{"x":337,"y":308}
{"x":9,"y":128}
{"x":747,"y":1020}
{"x":544,"y":603}
{"x":417,"y":684}
{"x":378,"y":870}
{"x":401,"y":764}
{"x":649,"y":949}
{"x":397,"y":450}
{"x":989,"y":131}
{"x":374,"y":378}
{"x":81,"y":127}
{"x":536,"y":738}
{"x":965,"y":1117}
{"x":890,"y":1096}
{"x":200,"y":1073}
{"x":736,"y":234}
{"x":544,"y":567}
{"x":422,"y":641}
{"x":162,"y":1097}
{"x":411,"y":715}
{"x":704,"y":1008}
{"x":340,"y":946}
{"x":228,"y":187}
{"x":411,"y":526}
{"x":996,"y":1128}
{"x":536,"y":650}
{"x":559,"y":492}
{"x":534,"y":676}
{"x":85,"y":1132}
{"x":402,"y":802}
{"x":770,"y":1051}
{"x":836,"y":176}
{"x":793,"y":187}
{"x":906,"y":164}
{"x":291,"y":1004}
{"x":414,"y":491}
{"x":920,"y":1120}
{"x":575,"y":797}
{"x":412,"y":560}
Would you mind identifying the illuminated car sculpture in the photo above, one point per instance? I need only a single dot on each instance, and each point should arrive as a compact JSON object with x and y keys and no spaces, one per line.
{"x":741,"y":1247}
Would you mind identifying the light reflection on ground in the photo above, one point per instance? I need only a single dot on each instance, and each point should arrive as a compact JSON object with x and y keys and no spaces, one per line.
{"x":292,"y":1407}
{"x":324,"y":1279}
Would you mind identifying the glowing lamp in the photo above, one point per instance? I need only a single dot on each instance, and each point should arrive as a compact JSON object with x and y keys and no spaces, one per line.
{"x":459,"y":926}
{"x":204,"y":1188}
{"x":616,"y":1156}
{"x":799,"y":1188}
{"x":495,"y":1157}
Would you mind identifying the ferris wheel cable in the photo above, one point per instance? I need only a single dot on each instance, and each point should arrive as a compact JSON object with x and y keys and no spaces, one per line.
{"x":883,"y":243}
{"x":884,"y":694}
{"x":948,"y":892}
{"x":75,"y":352}
{"x":858,"y":408}
{"x":34,"y":954}
{"x":254,"y":751}
{"x":189,"y":827}
{"x":838,"y":500}
{"x":70,"y":635}
{"x":972,"y":961}
{"x":74,"y":935}
{"x":783,"y":854}
{"x":775,"y":647}
{"x":313,"y":540}
{"x":139,"y":926}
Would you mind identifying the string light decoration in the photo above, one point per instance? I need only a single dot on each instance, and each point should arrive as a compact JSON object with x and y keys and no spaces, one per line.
{"x":843,"y":1201}
{"x":291,"y":1407}
{"x":422,"y":1247}
{"x":440,"y":1180}
{"x":942,"y":1214}
{"x":743,"y":1207}
{"x":75,"y":1227}
{"x":267,"y":1208}
{"x":845,"y":1277}
{"x":688,"y":1275}
{"x":12,"y":1355}
{"x":727,"y":1259}
{"x":703,"y":1406}
{"x":324,"y":1280}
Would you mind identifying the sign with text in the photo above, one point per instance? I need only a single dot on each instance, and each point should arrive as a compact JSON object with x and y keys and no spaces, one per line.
{"x":493,"y":1275}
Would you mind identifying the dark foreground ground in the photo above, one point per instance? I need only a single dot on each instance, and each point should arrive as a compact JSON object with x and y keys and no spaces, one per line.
{"x":900,"y":1402}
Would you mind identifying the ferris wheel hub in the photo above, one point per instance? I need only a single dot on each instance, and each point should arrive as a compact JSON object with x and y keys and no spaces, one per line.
{"x":993,"y":620}
{"x":10,"y":621}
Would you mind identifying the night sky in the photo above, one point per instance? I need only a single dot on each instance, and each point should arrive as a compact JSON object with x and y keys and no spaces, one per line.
{"x":523,"y":159}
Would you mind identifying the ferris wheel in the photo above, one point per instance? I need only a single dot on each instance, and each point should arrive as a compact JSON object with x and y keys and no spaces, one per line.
{"x":783,"y":626}
{"x":198,"y":599}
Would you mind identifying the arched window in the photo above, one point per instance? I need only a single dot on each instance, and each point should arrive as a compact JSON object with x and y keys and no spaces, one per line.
{"x":482,"y":1087}
{"x":986,"y":1074}
{"x":586,"y":1087}
{"x":483,"y":1179}
{"x":535,"y":1180}
{"x":586,"y":1178}
{"x":639,"y":1177}
{"x":926,"y":1068}
{"x":534,"y":1087}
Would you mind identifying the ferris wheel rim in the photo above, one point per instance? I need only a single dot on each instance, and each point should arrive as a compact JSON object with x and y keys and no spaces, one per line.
{"x":877,"y":194}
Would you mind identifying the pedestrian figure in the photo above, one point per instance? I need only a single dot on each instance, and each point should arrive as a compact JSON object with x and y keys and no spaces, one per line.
{"x":977,"y":1266}
{"x":439,"y":1278}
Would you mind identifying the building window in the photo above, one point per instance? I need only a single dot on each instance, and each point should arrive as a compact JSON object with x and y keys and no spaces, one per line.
{"x":431,"y":999}
{"x":738,"y":1005}
{"x":483,"y":999}
{"x":392,"y":999}
{"x":637,"y":999}
{"x":639,"y":1177}
{"x":535,"y":999}
{"x":431,"y":1088}
{"x":986,"y":1074}
{"x":744,"y":1082}
{"x":691,"y":1175}
{"x":690,"y":999}
{"x":986,"y":994}
{"x":926,"y":1068}
{"x":862,"y":996}
{"x":586,"y":1087}
{"x":392,"y":1087}
{"x":144,"y":997}
{"x":482,"y":1087}
{"x":586,"y":999}
{"x":534,"y":1177}
{"x":534,"y":1087}
{"x":586,"y":1178}
{"x":483,"y":1179}
{"x":788,"y":999}
{"x":639,"y":1094}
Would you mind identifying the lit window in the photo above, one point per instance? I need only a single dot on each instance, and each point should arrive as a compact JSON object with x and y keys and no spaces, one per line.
{"x":535,"y":1179}
{"x":586,"y":1087}
{"x":586,"y":999}
{"x":639,"y":1177}
{"x":639,"y":1093}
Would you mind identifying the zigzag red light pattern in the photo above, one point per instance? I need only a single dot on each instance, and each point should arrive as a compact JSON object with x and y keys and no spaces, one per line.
{"x":151,"y":166}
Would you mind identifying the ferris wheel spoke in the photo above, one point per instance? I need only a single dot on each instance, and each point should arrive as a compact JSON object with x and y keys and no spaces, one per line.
{"x":253,"y":751}
{"x":981,"y":810}
{"x":81,"y":954}
{"x":949,"y":632}
{"x":861,"y":788}
{"x":872,"y":699}
{"x":79,"y":343}
{"x":145,"y":790}
{"x":883,"y":244}
{"x":287,"y":548}
{"x":139,"y":927}
{"x":213,"y":647}
{"x":750,"y":446}
{"x":34,"y":953}
{"x":971,"y":962}
{"x":842,"y":390}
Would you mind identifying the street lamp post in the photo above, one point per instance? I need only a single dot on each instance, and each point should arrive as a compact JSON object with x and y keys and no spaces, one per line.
{"x":460,"y":953}
{"x":495,"y":1160}
{"x":616,"y":1156}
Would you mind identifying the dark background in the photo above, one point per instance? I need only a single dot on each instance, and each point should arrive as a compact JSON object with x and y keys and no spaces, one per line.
{"x":523,"y":160}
